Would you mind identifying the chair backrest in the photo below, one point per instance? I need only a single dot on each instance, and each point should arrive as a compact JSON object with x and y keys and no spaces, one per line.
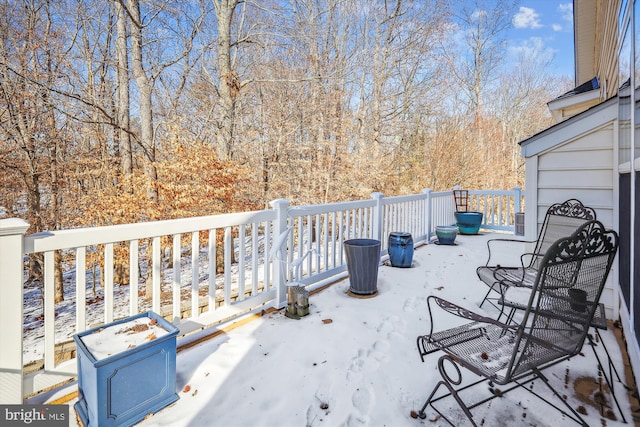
{"x":561,"y":220}
{"x":565,"y":297}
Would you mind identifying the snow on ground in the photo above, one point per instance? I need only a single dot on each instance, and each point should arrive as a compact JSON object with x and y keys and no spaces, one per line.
{"x":354,"y":361}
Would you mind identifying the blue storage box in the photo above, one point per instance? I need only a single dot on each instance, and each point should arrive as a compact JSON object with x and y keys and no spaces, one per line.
{"x":124,"y":387}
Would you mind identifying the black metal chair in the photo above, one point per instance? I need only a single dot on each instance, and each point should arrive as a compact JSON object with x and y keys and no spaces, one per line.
{"x":553,"y":328}
{"x":561,"y":220}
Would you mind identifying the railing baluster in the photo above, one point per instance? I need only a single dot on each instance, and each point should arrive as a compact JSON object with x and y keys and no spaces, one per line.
{"x":255,"y":237}
{"x":212,"y":269}
{"x":267,"y":249}
{"x":241,"y":262}
{"x":81,"y":289}
{"x":133,"y":277}
{"x":309,"y":246}
{"x":195,"y":274}
{"x":325,"y":243}
{"x":341,"y":237}
{"x":49,"y":311}
{"x":228,"y":251}
{"x":334,"y":239}
{"x":156,"y":274}
{"x":108,"y":283}
{"x":177,"y":279}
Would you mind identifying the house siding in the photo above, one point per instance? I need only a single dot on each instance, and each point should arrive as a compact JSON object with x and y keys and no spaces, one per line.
{"x":580,"y":169}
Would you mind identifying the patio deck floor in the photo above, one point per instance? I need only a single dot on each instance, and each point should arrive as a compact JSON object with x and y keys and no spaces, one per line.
{"x":354,"y":362}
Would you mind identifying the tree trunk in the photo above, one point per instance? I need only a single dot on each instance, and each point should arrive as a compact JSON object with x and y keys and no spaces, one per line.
{"x":123,"y":104}
{"x":229,"y":84}
{"x":144,"y":85}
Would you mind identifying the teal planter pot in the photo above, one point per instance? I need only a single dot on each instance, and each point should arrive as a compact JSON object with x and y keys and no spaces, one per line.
{"x":468,"y":222}
{"x":446,"y":234}
{"x":122,"y":388}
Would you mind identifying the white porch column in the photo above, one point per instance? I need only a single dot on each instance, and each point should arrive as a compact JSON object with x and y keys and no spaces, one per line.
{"x":428,"y":209}
{"x":278,"y":263}
{"x":12,"y":232}
{"x":378,"y":214}
{"x":517,"y":195}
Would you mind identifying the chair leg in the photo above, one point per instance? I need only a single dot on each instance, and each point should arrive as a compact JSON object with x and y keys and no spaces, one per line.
{"x":577,"y":418}
{"x":612,"y":370}
{"x":486,"y":296}
{"x":449,"y":383}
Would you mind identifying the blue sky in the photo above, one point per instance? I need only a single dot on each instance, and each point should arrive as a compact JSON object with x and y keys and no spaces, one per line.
{"x":545,"y":27}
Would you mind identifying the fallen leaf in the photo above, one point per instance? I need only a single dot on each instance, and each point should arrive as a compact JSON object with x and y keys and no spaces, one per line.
{"x":327,"y":321}
{"x":186,"y":388}
{"x":194,"y":392}
{"x":151,"y":336}
{"x":153,"y":321}
{"x":439,"y":288}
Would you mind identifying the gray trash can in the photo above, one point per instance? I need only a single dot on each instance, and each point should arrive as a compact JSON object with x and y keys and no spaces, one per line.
{"x":363,"y":259}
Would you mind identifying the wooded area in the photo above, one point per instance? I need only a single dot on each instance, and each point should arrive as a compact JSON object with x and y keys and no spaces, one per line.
{"x":134,"y":110}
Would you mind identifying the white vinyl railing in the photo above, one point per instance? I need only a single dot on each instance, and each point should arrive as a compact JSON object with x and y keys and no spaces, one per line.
{"x":198,"y":271}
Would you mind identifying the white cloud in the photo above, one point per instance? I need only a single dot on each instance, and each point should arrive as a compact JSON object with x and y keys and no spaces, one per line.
{"x":533,"y":47}
{"x":526,"y":18}
{"x":566,"y":10}
{"x":566,"y":14}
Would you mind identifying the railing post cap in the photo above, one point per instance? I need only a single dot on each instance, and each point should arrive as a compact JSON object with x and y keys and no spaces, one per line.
{"x":12,"y":226}
{"x":427,"y":190}
{"x":279,"y":203}
{"x":377,"y":195}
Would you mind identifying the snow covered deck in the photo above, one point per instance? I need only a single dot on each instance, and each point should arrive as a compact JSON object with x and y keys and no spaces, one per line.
{"x":354,"y":361}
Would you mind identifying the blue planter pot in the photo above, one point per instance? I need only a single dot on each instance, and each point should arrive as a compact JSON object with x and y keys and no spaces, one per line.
{"x":446,"y":234}
{"x":123,"y":388}
{"x":400,"y":249}
{"x":363,"y":259}
{"x":468,"y":222}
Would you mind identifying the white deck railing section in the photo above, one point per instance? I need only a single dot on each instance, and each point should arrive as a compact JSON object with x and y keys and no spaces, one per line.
{"x":199,"y":271}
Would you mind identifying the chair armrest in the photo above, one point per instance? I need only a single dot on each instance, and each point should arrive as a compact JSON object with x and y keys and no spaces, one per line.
{"x":459,"y":312}
{"x":528,"y":259}
{"x":495,"y":243}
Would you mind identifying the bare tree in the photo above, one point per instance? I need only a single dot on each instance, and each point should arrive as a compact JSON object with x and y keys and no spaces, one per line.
{"x":123,"y":103}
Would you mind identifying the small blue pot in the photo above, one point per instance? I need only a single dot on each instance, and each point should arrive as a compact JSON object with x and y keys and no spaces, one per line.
{"x":400,"y":249}
{"x":446,"y":234}
{"x":468,"y":222}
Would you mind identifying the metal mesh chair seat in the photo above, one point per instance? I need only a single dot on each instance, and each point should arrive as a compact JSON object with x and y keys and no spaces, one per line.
{"x":561,"y":220}
{"x":488,"y":350}
{"x":557,"y":312}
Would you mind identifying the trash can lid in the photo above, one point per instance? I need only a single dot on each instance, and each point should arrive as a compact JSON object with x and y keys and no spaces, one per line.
{"x":362,"y":242}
